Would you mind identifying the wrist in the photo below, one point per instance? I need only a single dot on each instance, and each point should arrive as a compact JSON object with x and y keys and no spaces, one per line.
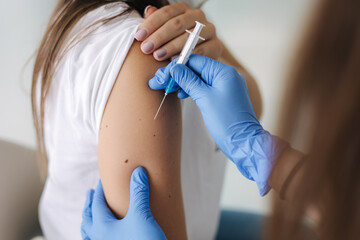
{"x":255,"y":152}
{"x":272,"y":148}
{"x":287,"y":161}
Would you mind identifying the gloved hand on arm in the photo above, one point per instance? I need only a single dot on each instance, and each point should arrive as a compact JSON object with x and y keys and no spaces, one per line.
{"x":222,"y":96}
{"x":100,"y":223}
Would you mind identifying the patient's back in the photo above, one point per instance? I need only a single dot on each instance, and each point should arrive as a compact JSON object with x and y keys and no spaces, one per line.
{"x":73,"y":112}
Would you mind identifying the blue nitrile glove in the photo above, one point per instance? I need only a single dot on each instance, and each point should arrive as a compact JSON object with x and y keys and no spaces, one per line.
{"x":98,"y":222}
{"x":222,"y":96}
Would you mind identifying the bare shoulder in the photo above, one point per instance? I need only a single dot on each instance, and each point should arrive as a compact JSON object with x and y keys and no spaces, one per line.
{"x":132,"y":81}
{"x":136,"y":62}
{"x":132,"y":95}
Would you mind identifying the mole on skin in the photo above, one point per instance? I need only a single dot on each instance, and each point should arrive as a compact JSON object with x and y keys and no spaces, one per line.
{"x":126,"y":161}
{"x":106,"y":126}
{"x":154,"y":135}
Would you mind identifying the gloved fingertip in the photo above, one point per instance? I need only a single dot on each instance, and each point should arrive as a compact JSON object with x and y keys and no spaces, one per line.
{"x":157,"y":84}
{"x":100,"y":186}
{"x":176,"y":69}
{"x":139,"y":194}
{"x":182,"y":94}
{"x":162,"y":75}
{"x":139,"y":176}
{"x":87,"y":212}
{"x":88,"y":196}
{"x":153,"y":84}
{"x":99,"y":192}
{"x":161,"y":71}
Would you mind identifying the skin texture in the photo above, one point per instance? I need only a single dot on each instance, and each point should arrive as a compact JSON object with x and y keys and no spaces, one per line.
{"x":129,"y":137}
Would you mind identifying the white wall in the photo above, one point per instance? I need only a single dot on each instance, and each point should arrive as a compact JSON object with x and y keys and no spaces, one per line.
{"x":22,"y":24}
{"x":261,"y":33}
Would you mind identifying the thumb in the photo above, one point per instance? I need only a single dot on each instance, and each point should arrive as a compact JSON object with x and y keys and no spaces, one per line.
{"x":188,"y":80}
{"x":139,"y":193}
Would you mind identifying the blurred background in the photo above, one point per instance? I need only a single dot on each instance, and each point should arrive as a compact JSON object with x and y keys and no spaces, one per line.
{"x":262,"y":34}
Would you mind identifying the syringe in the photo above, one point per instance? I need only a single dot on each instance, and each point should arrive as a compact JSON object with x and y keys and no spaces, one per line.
{"x":184,"y":56}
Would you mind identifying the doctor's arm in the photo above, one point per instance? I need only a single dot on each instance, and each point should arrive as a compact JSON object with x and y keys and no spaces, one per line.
{"x":222,"y":96}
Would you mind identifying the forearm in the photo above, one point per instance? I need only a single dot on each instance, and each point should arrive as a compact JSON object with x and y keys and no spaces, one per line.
{"x":254,"y":92}
{"x":290,"y":157}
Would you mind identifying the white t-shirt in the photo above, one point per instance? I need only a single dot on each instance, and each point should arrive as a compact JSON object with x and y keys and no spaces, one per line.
{"x":73,"y":111}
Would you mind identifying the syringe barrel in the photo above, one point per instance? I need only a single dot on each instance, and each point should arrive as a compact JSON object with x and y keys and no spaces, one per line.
{"x":186,"y":52}
{"x":190,"y":44}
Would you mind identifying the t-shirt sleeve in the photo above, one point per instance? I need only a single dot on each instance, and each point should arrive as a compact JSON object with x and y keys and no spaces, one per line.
{"x":96,"y":60}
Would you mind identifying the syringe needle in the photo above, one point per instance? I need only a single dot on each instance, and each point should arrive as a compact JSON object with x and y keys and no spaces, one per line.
{"x":160,"y":106}
{"x":184,"y":57}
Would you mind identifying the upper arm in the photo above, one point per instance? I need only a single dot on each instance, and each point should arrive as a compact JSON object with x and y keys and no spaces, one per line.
{"x":129,"y":137}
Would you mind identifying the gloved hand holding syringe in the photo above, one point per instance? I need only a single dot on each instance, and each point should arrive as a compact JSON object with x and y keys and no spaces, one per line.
{"x":184,"y":56}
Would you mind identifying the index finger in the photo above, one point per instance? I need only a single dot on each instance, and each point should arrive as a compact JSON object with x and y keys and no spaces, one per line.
{"x":159,"y":18}
{"x":162,"y":78}
{"x":206,"y":67}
